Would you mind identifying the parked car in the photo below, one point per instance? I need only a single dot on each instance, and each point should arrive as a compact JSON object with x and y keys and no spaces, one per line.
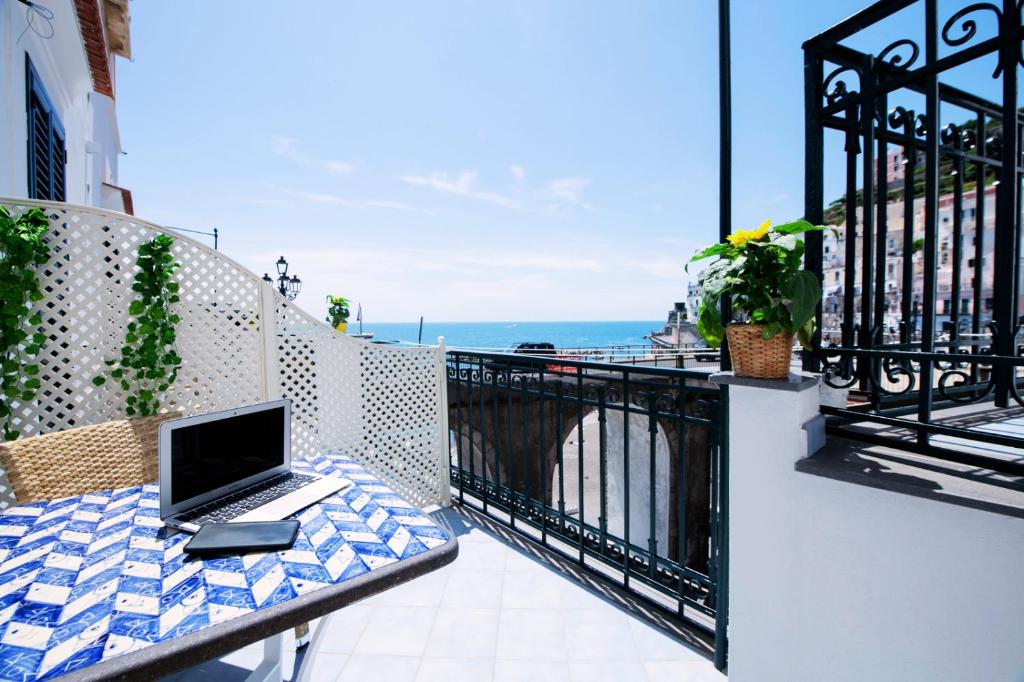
{"x":527,"y":364}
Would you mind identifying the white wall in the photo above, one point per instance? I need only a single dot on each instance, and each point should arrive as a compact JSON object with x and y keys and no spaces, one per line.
{"x":86,"y":116}
{"x":835,"y":581}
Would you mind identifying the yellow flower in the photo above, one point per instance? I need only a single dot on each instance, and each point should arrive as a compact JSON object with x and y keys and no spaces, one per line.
{"x":741,"y":237}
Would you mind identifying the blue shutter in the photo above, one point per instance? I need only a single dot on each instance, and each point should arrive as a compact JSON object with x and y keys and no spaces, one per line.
{"x":47,"y":157}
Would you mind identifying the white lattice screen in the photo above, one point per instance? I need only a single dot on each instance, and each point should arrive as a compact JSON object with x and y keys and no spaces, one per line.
{"x":384,"y":405}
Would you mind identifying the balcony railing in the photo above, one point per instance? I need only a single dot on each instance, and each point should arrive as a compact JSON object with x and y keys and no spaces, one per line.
{"x":618,"y":468}
{"x":948,"y":334}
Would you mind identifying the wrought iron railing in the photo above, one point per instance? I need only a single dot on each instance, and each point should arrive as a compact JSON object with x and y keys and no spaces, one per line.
{"x":618,"y":468}
{"x":928,"y":243}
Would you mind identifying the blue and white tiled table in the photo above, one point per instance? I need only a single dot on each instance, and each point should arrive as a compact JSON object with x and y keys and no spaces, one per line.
{"x":96,"y":586}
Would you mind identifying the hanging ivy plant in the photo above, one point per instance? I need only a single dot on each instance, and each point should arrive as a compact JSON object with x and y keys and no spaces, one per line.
{"x":22,"y":250}
{"x":149,"y":360}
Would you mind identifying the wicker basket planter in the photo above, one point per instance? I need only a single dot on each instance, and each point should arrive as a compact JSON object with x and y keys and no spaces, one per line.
{"x":756,"y":357}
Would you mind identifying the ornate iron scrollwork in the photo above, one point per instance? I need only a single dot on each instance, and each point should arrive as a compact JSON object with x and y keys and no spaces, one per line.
{"x":898,"y":117}
{"x":835,"y":89}
{"x":891,"y":57}
{"x":968,"y":27}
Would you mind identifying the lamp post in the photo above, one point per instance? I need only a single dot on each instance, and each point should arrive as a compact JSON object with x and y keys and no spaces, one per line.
{"x":288,"y":286}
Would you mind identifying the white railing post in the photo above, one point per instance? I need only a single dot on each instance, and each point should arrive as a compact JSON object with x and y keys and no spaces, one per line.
{"x":270,"y":383}
{"x":444,"y":437}
{"x":771,"y":425}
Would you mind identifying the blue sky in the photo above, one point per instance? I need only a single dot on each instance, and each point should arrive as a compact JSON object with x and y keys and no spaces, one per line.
{"x":464,"y":160}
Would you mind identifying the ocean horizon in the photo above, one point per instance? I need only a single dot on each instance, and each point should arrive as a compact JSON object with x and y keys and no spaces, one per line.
{"x":501,"y":335}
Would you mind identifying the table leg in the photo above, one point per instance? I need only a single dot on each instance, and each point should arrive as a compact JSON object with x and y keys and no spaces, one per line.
{"x":269,"y":669}
{"x":305,"y":669}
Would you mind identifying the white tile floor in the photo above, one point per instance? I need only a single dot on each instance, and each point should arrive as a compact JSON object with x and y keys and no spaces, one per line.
{"x":493,"y":614}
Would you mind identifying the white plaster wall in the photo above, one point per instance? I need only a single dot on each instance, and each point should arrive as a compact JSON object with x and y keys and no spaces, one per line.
{"x":836,"y":581}
{"x":639,"y":481}
{"x":62,"y":66}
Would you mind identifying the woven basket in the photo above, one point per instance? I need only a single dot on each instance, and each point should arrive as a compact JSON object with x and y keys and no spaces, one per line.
{"x":756,"y":357}
{"x":84,"y":460}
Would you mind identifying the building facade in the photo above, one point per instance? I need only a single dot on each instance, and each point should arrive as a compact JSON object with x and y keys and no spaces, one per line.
{"x":834,"y":268}
{"x":59,"y":137}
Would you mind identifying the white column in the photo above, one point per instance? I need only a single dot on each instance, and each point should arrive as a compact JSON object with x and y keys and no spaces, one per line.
{"x":766,"y":438}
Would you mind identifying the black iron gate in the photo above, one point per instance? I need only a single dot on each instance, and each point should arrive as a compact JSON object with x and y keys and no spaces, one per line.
{"x":921,"y":278}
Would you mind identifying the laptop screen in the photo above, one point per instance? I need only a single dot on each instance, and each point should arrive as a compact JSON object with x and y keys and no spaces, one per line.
{"x":216,"y":453}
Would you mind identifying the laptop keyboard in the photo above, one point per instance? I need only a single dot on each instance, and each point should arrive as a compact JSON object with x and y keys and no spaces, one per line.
{"x":226,"y":508}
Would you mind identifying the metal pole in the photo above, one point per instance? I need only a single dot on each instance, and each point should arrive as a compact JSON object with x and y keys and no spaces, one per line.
{"x":813,"y":187}
{"x":724,"y":152}
{"x":931,"y":217}
{"x":724,"y":227}
{"x":1003,"y":313}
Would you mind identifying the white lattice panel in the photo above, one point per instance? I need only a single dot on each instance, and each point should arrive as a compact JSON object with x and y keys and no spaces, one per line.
{"x":383,"y":405}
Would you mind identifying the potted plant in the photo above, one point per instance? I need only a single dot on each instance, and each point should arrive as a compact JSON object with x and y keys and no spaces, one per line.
{"x":337,"y":312}
{"x":760,"y":270}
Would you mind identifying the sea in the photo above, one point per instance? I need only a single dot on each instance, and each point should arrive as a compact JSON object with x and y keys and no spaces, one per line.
{"x":501,"y":335}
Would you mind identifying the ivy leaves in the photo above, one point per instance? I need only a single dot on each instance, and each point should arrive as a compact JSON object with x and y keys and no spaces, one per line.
{"x":149,"y":361}
{"x":761,"y":272}
{"x":22,"y":250}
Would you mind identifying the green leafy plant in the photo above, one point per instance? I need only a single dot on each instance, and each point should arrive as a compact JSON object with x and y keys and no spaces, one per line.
{"x":337,"y":310}
{"x":761,"y":271}
{"x":22,"y":250}
{"x":149,"y":361}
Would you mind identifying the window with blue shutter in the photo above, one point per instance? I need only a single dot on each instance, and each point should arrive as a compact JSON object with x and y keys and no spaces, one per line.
{"x":47,"y":157}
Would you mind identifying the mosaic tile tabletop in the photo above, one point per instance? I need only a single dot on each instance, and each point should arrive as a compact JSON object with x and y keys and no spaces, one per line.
{"x":85,"y":579}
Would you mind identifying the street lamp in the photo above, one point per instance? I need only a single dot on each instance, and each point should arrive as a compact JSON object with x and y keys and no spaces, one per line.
{"x":288,"y":286}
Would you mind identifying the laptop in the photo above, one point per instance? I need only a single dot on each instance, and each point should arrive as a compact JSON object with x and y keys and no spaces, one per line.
{"x":234,"y":465}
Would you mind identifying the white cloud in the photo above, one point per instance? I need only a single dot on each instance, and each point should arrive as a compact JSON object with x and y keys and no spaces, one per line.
{"x":658,"y":267}
{"x":518,"y":172}
{"x":334,"y":199}
{"x":567,"y":191}
{"x":260,"y":201}
{"x":461,"y":185}
{"x":285,"y":146}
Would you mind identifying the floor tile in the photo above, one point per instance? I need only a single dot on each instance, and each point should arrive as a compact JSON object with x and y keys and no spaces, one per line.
{"x":344,"y":628}
{"x":456,"y":670}
{"x":396,"y":631}
{"x":516,"y":560}
{"x":576,"y":596}
{"x":480,"y":556}
{"x":654,"y":645}
{"x":473,"y":589}
{"x":372,"y":668}
{"x":531,"y":634}
{"x":529,"y":590}
{"x":682,"y":671}
{"x":592,"y":635}
{"x":426,"y":590}
{"x":326,"y":667}
{"x":606,"y":671}
{"x":531,"y":671}
{"x":464,"y":633}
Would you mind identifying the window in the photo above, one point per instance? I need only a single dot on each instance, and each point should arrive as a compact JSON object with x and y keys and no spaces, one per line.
{"x":47,"y":158}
